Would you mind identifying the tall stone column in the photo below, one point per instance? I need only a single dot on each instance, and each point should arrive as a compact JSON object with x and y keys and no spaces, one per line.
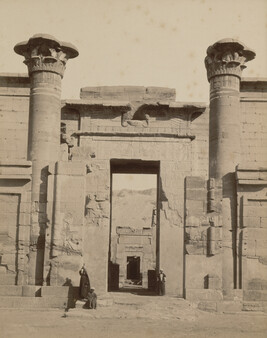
{"x":224,"y":62}
{"x":46,"y":59}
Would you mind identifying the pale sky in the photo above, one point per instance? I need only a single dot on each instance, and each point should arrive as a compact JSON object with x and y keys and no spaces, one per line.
{"x":136,"y":42}
{"x":134,"y":181}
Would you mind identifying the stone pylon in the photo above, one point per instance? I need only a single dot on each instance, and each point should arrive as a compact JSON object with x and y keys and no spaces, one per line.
{"x":224,"y":62}
{"x":46,"y":59}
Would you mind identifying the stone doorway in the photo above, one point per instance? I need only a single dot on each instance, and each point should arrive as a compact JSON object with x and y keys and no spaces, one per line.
{"x":134,"y":225}
{"x":133,"y":269}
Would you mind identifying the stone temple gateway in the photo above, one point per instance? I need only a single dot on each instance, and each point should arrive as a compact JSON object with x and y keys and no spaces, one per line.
{"x":56,"y":163}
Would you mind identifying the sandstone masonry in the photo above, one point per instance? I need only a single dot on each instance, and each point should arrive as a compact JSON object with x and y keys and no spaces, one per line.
{"x":56,"y":163}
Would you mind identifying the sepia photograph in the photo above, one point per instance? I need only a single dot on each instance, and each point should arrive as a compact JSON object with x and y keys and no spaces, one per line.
{"x":133,"y":168}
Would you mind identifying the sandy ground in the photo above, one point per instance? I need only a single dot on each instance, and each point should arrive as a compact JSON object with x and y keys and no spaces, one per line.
{"x":132,"y":318}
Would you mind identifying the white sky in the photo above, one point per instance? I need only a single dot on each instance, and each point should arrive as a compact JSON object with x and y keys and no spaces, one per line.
{"x":134,"y":181}
{"x":132,"y":42}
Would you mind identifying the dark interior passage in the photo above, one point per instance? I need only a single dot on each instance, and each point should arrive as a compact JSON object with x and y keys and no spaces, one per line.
{"x":133,"y":267}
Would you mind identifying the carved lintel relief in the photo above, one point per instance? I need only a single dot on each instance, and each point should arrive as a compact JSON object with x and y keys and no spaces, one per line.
{"x":153,"y":119}
{"x":45,"y":53}
{"x":136,"y":116}
{"x":227,"y":57}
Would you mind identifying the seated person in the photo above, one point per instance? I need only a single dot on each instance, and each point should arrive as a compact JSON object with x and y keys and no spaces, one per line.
{"x":92,"y":299}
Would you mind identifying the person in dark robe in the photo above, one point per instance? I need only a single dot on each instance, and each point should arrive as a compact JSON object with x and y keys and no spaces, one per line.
{"x":92,"y":299}
{"x":161,"y":282}
{"x":84,"y":283}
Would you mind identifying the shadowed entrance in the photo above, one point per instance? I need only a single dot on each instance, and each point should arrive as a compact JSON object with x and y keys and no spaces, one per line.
{"x":133,"y":269}
{"x":133,"y":252}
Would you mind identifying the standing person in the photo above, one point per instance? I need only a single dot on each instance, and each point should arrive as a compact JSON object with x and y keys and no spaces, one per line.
{"x":84,"y":283}
{"x":161,"y":282}
{"x":92,"y":299}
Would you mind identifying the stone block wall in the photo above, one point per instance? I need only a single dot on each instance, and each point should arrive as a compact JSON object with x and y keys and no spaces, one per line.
{"x":174,"y":166}
{"x":78,"y":208}
{"x":253,"y":101}
{"x":200,"y":146}
{"x":203,"y":244}
{"x":9,"y":205}
{"x":128,"y":93}
{"x":252,"y":200}
{"x":14,"y":114}
{"x":102,"y":138}
{"x":252,"y":183}
{"x":171,"y":233}
{"x":97,"y":222}
{"x":15,"y":221}
{"x":64,"y":235}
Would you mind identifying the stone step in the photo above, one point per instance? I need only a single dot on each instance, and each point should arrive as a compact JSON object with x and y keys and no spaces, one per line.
{"x":102,"y":301}
{"x":10,"y":290}
{"x":32,"y":302}
{"x":135,"y":306}
{"x":79,"y":304}
{"x":7,"y":279}
{"x":55,"y":291}
{"x":229,"y":306}
{"x":255,"y":306}
{"x":131,"y":299}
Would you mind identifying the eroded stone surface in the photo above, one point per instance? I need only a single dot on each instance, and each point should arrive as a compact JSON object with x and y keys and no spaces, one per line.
{"x":210,"y":225}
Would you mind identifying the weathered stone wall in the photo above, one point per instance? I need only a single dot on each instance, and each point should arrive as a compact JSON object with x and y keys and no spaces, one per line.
{"x":209,"y":240}
{"x":175,"y":164}
{"x":102,"y":137}
{"x":14,"y":115}
{"x":252,"y":183}
{"x":97,"y":222}
{"x":253,"y":103}
{"x":203,"y":244}
{"x":64,"y":235}
{"x":8,"y":243}
{"x":129,"y":93}
{"x":252,"y":235}
{"x":15,"y":212}
{"x":200,"y":146}
{"x":172,"y":173}
{"x":204,"y":221}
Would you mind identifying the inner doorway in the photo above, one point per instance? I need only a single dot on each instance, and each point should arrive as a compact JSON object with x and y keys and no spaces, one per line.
{"x":134,"y":225}
{"x":133,"y":268}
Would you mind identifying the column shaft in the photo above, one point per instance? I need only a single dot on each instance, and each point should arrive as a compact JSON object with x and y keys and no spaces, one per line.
{"x":224,"y":62}
{"x":44,"y":144}
{"x":224,"y":125}
{"x":46,"y":59}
